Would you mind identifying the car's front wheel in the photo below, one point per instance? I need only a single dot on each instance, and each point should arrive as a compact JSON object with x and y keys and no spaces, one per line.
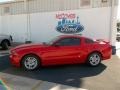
{"x":30,"y":62}
{"x":94,"y":59}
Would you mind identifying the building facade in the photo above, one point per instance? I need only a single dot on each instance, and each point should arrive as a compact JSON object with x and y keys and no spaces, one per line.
{"x":41,"y":20}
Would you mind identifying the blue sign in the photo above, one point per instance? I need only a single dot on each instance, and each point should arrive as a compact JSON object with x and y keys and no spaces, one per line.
{"x":69,"y":26}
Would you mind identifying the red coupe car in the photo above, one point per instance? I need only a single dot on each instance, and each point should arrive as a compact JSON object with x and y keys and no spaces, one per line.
{"x":65,"y":49}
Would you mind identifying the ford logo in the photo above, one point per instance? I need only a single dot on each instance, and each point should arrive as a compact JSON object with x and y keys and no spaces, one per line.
{"x":69,"y":26}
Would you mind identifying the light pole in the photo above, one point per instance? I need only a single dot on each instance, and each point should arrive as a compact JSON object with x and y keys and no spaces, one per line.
{"x":26,"y":6}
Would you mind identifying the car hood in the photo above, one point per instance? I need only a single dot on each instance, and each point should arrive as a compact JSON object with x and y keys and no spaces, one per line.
{"x":29,"y":46}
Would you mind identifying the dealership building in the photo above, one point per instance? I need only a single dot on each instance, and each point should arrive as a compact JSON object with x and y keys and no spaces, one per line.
{"x":41,"y":20}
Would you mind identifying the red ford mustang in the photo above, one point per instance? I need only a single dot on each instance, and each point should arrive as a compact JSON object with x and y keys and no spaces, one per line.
{"x":65,"y":49}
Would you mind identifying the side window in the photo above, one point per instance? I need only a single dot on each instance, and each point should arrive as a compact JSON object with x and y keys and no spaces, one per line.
{"x":89,"y":41}
{"x":69,"y":42}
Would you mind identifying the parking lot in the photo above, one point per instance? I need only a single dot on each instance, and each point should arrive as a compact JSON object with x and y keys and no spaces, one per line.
{"x":70,"y":77}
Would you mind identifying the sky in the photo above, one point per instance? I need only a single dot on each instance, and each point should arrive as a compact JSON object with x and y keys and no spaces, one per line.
{"x":5,"y":0}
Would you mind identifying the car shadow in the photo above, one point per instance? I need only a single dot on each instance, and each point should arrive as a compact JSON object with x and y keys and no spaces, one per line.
{"x":67,"y":75}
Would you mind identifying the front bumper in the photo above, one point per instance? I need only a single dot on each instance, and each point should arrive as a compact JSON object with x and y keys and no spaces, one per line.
{"x":15,"y":60}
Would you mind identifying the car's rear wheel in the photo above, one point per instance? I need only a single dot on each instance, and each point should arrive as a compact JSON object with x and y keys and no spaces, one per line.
{"x":5,"y":45}
{"x":30,"y":62}
{"x":94,"y":59}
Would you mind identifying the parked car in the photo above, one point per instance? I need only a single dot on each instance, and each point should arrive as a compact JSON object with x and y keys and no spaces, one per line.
{"x":65,"y":49}
{"x":5,"y":41}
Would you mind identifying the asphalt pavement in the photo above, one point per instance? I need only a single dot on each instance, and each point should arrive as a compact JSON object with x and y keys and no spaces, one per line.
{"x":68,"y":77}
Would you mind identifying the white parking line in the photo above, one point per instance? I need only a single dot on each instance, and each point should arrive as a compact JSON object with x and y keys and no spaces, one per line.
{"x":3,"y":54}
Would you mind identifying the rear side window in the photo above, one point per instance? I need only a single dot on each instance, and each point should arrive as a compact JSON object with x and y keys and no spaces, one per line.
{"x":69,"y":42}
{"x":88,"y":41}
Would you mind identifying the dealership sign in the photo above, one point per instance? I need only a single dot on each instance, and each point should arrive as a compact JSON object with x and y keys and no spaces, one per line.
{"x":68,"y":23}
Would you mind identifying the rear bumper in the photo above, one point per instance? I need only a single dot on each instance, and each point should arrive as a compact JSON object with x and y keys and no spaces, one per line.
{"x":106,"y":57}
{"x":107,"y":53}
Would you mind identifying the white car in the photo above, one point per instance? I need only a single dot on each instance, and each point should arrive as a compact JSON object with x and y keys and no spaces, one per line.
{"x":5,"y":41}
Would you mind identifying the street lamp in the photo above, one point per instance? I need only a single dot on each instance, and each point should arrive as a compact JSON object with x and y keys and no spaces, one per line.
{"x":26,"y":6}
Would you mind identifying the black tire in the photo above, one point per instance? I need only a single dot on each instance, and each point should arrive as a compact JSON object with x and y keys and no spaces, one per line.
{"x":91,"y":61}
{"x":25,"y":66}
{"x":5,"y":45}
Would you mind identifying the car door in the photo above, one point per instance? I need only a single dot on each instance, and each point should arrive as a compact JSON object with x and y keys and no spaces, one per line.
{"x":64,"y":51}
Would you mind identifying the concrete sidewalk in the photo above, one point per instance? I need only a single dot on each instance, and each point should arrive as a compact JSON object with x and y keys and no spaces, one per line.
{"x":12,"y":82}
